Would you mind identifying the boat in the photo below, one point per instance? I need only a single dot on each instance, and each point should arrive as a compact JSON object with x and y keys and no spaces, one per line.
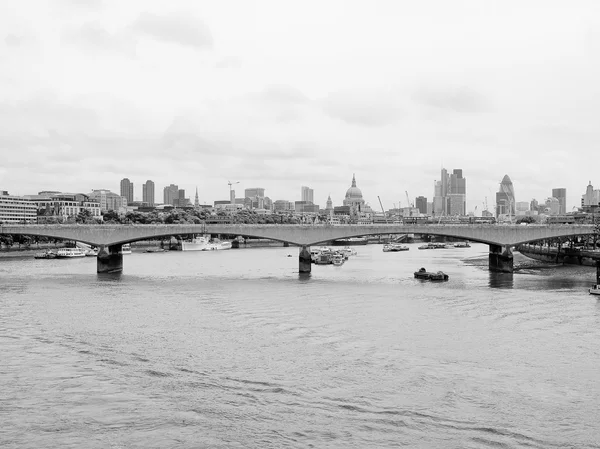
{"x":394,"y":247}
{"x":156,"y":250}
{"x":351,"y":241}
{"x":348,"y":251}
{"x":464,"y":244}
{"x":70,"y":253}
{"x":196,"y":244}
{"x":126,"y":248}
{"x":432,"y":245}
{"x":216,"y":245}
{"x":45,"y":255}
{"x":337,"y":259}
{"x":431,"y":276}
{"x":91,"y":252}
{"x":595,"y":290}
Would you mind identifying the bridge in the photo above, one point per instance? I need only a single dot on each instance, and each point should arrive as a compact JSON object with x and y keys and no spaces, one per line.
{"x":109,"y":238}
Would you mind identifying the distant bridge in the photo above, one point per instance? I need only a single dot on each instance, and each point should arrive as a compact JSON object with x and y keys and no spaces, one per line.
{"x":109,"y":238}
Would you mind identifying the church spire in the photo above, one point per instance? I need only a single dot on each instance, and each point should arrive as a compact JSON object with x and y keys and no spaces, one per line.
{"x":196,"y":202}
{"x":353,"y":180}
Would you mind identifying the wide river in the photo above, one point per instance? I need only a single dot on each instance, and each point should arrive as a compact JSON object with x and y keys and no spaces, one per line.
{"x":233,"y":349}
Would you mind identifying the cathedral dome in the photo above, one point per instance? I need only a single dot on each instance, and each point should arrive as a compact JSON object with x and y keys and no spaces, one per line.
{"x":354,"y":192}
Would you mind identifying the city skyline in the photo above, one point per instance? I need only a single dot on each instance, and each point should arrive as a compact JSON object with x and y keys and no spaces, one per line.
{"x":261,"y":102}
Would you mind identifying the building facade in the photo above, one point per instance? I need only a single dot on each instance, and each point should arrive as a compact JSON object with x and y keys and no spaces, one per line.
{"x":421,"y":204}
{"x":108,"y":200}
{"x":354,"y":200}
{"x":170,"y":194}
{"x":561,"y":195}
{"x":148,"y":193}
{"x":14,"y":209}
{"x":127,"y":190}
{"x":505,"y":198}
{"x":307,"y":194}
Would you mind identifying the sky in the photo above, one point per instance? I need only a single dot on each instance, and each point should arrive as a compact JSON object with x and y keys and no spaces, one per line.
{"x":280,"y":94}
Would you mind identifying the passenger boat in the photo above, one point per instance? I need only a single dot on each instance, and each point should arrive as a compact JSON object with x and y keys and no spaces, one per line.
{"x":337,"y":259}
{"x":464,"y":244}
{"x":216,"y":245}
{"x":424,"y":274}
{"x":351,"y":241}
{"x":45,"y":255}
{"x":432,"y":245}
{"x":91,"y":252}
{"x":70,"y":253}
{"x":595,"y":290}
{"x":197,"y":244}
{"x":394,"y":247}
{"x":126,"y":248}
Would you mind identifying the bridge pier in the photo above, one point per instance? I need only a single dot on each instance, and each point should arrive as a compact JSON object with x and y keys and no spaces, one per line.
{"x":304,"y":260}
{"x":597,"y":271}
{"x":501,"y":259}
{"x":109,"y":259}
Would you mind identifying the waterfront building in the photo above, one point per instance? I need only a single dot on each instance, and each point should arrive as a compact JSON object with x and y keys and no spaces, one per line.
{"x":15,"y":209}
{"x":533,"y":205}
{"x":453,"y":184}
{"x":306,"y":194}
{"x":170,"y":194}
{"x":108,"y":200}
{"x":421,"y":204}
{"x":148,"y":193}
{"x":505,"y":198}
{"x":302,"y":207}
{"x":561,"y":195}
{"x":127,"y":189}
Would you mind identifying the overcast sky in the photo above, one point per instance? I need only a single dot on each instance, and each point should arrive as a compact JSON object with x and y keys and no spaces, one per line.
{"x":280,"y":94}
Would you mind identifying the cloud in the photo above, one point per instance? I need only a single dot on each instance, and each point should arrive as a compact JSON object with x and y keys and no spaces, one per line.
{"x":229,"y":62}
{"x":458,"y":99}
{"x":93,"y":35}
{"x":363,"y":107}
{"x":13,"y":41}
{"x":183,"y":29}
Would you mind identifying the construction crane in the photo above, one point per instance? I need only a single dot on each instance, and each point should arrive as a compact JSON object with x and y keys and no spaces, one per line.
{"x":408,"y":200}
{"x":231,"y":200}
{"x":384,"y":216}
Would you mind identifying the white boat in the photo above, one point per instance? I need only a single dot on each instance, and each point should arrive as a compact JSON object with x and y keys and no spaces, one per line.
{"x":217,"y":245}
{"x":69,"y":253}
{"x":203,"y":243}
{"x":197,"y":244}
{"x":126,"y":248}
{"x":394,"y":247}
{"x":347,"y":251}
{"x":337,"y":259}
{"x":464,"y":244}
{"x":91,"y":252}
{"x":595,"y":290}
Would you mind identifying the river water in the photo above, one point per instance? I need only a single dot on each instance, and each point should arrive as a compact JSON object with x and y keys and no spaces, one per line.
{"x":231,"y":349}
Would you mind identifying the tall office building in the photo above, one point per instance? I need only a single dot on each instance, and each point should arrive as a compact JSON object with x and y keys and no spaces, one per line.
{"x":170,"y":194}
{"x":127,"y":190}
{"x":421,"y":204}
{"x":561,"y":195}
{"x":148,"y":193}
{"x":505,"y":198}
{"x":254,"y":192}
{"x":307,"y":194}
{"x":450,"y":193}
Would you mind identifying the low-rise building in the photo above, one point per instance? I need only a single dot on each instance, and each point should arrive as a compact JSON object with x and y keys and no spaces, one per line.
{"x":15,"y":209}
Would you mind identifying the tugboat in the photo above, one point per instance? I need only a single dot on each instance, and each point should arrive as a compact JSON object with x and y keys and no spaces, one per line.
{"x":424,"y":274}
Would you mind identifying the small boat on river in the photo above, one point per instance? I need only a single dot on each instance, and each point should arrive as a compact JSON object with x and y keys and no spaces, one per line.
{"x":394,"y":247}
{"x":595,"y":290}
{"x":433,"y":245}
{"x":431,"y":276}
{"x":45,"y":255}
{"x":464,"y":244}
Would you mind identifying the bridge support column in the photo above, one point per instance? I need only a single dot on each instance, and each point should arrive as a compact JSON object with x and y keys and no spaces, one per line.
{"x":501,"y":259}
{"x":304,"y":261}
{"x":110,"y":259}
{"x":597,"y":271}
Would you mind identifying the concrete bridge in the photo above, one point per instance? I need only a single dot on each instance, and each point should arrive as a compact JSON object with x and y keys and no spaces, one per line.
{"x":109,"y":238}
